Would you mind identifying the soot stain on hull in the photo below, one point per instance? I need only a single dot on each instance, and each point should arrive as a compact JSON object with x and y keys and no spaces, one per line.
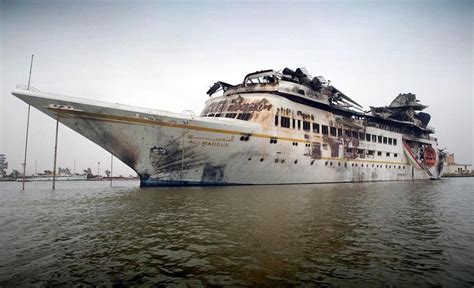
{"x":213,"y":173}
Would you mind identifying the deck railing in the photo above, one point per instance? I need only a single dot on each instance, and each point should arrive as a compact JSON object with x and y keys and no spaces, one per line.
{"x":25,"y":87}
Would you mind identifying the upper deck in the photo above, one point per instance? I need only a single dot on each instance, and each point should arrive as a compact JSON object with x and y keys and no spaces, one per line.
{"x":297,"y":86}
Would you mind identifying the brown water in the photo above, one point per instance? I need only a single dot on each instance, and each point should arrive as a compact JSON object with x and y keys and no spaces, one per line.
{"x":369,"y":234}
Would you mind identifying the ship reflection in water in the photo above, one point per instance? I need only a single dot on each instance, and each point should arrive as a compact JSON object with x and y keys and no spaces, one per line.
{"x":364,"y":234}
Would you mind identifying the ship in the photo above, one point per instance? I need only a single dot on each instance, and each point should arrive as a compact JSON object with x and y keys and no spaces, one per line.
{"x":276,"y":127}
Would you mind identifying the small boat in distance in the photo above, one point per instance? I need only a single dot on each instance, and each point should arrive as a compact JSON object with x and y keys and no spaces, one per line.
{"x":273,"y":128}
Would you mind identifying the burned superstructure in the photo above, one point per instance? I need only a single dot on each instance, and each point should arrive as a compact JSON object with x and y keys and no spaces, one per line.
{"x":276,"y":127}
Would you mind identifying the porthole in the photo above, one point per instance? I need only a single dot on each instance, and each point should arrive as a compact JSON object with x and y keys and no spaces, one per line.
{"x":282,"y":161}
{"x":250,"y":159}
{"x":261,"y":159}
{"x":312,"y":162}
{"x":326,"y":163}
{"x":330,"y":163}
{"x":276,"y":160}
{"x":296,"y":161}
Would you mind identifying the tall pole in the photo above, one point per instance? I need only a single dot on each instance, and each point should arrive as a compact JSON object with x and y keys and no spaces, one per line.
{"x":55,"y":150}
{"x":27,"y":126}
{"x":182,"y":154}
{"x":111,"y":168}
{"x":98,"y":169}
{"x":31,"y":68}
{"x":74,"y":167}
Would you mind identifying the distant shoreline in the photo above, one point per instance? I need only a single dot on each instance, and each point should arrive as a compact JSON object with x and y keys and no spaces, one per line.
{"x":59,"y":180}
{"x":452,"y":175}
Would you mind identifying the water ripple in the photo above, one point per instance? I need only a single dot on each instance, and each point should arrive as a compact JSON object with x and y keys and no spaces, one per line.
{"x":368,"y":234}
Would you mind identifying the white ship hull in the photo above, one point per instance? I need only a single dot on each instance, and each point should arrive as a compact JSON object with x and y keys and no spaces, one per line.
{"x":168,"y":149}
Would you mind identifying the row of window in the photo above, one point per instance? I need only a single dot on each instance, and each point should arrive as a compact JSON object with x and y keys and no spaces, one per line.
{"x":333,"y":131}
{"x":241,"y":116}
{"x":372,"y":153}
{"x":362,"y":165}
{"x":348,"y":150}
{"x":344,"y":164}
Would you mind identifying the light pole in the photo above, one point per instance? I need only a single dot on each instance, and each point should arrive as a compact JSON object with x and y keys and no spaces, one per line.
{"x":56,"y":147}
{"x":111,"y":167}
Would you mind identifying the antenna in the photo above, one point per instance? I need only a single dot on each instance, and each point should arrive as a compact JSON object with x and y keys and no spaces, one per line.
{"x":27,"y":125}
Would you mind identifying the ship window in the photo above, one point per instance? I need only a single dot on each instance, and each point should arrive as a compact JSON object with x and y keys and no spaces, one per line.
{"x":339,"y":132}
{"x":367,"y":137}
{"x":379,"y":138}
{"x":276,"y":120}
{"x":384,"y":140}
{"x":210,"y":115}
{"x":360,"y":151}
{"x":285,"y":122}
{"x":374,"y":138}
{"x":355,"y":134}
{"x":379,"y":153}
{"x":333,"y":131}
{"x":361,"y":136}
{"x":230,"y":115}
{"x":390,"y":141}
{"x":324,"y":129}
{"x":294,"y":125}
{"x":395,"y":142}
{"x":244,"y":116}
{"x":348,"y":133}
{"x":218,"y":115}
{"x":316,"y":128}
{"x":306,"y":126}
{"x":395,"y":155}
{"x":387,"y":154}
{"x":370,"y":152}
{"x":299,"y":124}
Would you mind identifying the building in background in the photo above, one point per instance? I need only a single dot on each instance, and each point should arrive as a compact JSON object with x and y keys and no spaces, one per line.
{"x":453,"y":168}
{"x":3,"y":165}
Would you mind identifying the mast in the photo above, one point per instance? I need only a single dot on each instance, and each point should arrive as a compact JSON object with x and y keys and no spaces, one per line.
{"x":27,"y":126}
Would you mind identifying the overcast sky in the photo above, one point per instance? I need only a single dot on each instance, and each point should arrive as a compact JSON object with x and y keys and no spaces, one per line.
{"x":165,"y":55}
